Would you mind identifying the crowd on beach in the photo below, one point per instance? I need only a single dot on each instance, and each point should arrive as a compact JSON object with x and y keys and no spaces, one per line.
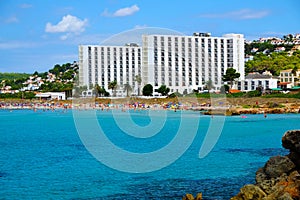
{"x":103,"y":106}
{"x":210,"y":107}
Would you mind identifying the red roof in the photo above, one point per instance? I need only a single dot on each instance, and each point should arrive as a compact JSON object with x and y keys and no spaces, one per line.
{"x":283,"y":83}
{"x":234,"y":91}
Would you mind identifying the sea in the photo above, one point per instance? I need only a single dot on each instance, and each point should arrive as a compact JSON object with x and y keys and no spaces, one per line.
{"x":141,"y":154}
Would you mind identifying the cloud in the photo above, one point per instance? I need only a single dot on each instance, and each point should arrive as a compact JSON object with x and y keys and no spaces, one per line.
{"x":17,"y":45}
{"x":140,"y":26}
{"x":12,"y":19}
{"x":69,"y":24}
{"x":121,"y":12}
{"x":239,"y":14}
{"x":25,"y":5}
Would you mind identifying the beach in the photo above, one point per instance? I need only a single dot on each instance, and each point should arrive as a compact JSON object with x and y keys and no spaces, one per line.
{"x":222,"y":106}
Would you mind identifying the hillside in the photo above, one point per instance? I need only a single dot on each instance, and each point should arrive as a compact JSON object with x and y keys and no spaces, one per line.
{"x":273,"y":62}
{"x":13,"y":76}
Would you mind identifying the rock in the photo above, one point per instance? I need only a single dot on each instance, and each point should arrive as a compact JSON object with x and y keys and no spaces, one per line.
{"x":260,"y":175}
{"x":191,"y":197}
{"x":188,"y":197}
{"x":199,"y":196}
{"x":250,"y":192}
{"x":285,"y":196}
{"x":279,"y":179}
{"x":291,"y":140}
{"x":278,"y":165}
{"x":294,"y":156}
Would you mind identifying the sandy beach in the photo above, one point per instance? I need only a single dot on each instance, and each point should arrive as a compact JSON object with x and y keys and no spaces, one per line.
{"x":228,"y":106}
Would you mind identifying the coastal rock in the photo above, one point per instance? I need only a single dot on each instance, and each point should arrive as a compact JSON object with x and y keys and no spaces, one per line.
{"x":280,"y":177}
{"x":191,"y":197}
{"x":250,"y":192}
{"x":188,"y":197}
{"x":291,"y":141}
{"x":278,"y":165}
{"x":294,"y":156}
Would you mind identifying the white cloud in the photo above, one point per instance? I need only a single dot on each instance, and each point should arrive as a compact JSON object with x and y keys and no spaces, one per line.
{"x":126,"y":11}
{"x":25,"y":5}
{"x":121,"y":12}
{"x":140,"y":26}
{"x":12,"y":19}
{"x":68,"y":24}
{"x":17,"y":45}
{"x":239,"y":14}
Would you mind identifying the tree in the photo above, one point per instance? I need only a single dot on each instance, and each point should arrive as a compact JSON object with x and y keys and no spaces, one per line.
{"x":78,"y":90}
{"x":224,"y":89}
{"x":148,"y":90}
{"x":209,"y":85}
{"x":230,"y":76}
{"x":113,"y":86}
{"x":98,"y":90}
{"x":163,"y":90}
{"x":127,"y":88}
{"x":138,"y":79}
{"x":294,"y":70}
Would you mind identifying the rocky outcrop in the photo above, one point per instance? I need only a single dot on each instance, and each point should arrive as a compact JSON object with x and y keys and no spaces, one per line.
{"x":191,"y":197}
{"x":280,"y":177}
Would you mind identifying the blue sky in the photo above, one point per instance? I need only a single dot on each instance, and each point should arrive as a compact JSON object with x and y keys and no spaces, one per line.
{"x":37,"y":34}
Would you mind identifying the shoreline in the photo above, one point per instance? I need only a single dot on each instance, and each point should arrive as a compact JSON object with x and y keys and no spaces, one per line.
{"x":231,"y":106}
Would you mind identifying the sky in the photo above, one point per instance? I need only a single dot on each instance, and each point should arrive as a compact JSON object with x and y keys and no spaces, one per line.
{"x":37,"y":34}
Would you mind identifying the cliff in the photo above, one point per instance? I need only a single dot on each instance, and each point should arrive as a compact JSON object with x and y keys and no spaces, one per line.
{"x":280,"y":176}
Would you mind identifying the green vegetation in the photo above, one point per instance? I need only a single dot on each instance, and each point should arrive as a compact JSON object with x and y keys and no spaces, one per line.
{"x":282,"y":95}
{"x":19,"y":95}
{"x":274,"y":62}
{"x":163,"y":90}
{"x":113,"y":86}
{"x":13,"y":76}
{"x":148,"y":90}
{"x":138,"y":79}
{"x":175,"y":94}
{"x":127,"y":88}
{"x":275,"y":105}
{"x":230,"y":75}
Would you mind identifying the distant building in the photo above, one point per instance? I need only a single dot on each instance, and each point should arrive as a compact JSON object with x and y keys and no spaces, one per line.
{"x":104,"y":64}
{"x":289,"y":77}
{"x":52,"y":95}
{"x":248,"y":58}
{"x":279,"y":49}
{"x":254,"y":80}
{"x":182,"y":63}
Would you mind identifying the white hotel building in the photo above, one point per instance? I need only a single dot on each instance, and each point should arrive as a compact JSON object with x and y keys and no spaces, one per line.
{"x":182,"y":63}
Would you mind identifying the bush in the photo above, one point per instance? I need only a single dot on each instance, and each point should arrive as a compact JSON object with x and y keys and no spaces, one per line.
{"x":246,"y":106}
{"x":255,"y":93}
{"x":175,"y":94}
{"x":235,"y":95}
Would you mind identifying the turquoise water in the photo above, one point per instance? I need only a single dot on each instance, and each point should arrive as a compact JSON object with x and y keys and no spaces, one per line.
{"x":42,"y":157}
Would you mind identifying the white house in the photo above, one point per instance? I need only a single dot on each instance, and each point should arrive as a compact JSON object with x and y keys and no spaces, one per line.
{"x":52,"y":95}
{"x":255,"y":80}
{"x":288,"y":76}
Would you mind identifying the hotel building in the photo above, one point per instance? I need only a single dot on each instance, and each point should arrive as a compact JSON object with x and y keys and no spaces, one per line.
{"x":182,"y":63}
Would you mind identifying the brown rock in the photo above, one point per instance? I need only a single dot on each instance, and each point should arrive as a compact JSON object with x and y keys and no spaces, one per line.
{"x":199,"y":196}
{"x":188,"y":197}
{"x":294,"y":156}
{"x":291,"y":140}
{"x":250,"y":192}
{"x":279,"y":179}
{"x":278,"y":165}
